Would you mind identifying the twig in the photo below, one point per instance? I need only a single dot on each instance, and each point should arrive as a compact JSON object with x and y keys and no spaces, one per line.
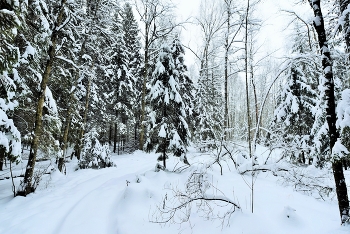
{"x":13,"y":183}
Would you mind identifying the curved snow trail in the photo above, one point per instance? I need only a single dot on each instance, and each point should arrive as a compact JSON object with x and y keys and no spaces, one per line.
{"x":79,"y":203}
{"x":103,"y":202}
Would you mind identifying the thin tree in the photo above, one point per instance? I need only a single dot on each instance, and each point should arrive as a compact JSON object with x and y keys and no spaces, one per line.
{"x":27,"y":181}
{"x":232,"y":30}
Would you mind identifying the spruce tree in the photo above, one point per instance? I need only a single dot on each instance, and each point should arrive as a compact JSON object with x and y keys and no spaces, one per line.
{"x":133,"y":48}
{"x":294,"y":116}
{"x":208,"y":108}
{"x":186,"y":85}
{"x":10,"y":21}
{"x":97,"y":38}
{"x":121,"y":82}
{"x":169,"y":130}
{"x":294,"y":127}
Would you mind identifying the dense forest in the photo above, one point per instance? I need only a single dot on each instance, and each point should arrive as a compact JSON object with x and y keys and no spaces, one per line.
{"x":88,"y":79}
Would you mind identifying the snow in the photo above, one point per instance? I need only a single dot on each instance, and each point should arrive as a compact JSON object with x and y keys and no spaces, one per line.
{"x":342,"y":18}
{"x":50,"y":102}
{"x":162,"y":132}
{"x":124,"y":200}
{"x":339,"y":149}
{"x":317,"y":20}
{"x":30,"y":50}
{"x":343,"y":110}
{"x":327,"y":70}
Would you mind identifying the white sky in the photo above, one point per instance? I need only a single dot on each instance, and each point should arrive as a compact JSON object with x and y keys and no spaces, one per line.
{"x":272,"y":35}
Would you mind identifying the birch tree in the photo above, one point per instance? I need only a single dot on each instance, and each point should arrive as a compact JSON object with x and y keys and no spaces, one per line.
{"x":59,"y":22}
{"x":333,"y":133}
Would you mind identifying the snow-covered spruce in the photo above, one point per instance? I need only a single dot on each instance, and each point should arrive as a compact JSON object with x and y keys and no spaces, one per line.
{"x":294,"y":116}
{"x":94,"y":155}
{"x":343,"y":123}
{"x":171,"y":102}
{"x":10,"y":138}
{"x":297,"y":122}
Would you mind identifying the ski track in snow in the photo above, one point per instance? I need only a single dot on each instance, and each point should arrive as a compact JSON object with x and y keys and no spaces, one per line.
{"x":102,"y":202}
{"x":73,"y":198}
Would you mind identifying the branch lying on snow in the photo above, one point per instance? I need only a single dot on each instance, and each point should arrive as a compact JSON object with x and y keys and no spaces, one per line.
{"x":195,"y":193}
{"x":264,"y":170}
{"x":168,"y":213}
{"x":316,"y":183}
{"x":207,"y":198}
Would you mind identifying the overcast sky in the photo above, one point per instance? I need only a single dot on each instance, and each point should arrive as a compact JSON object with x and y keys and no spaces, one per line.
{"x":273,"y":34}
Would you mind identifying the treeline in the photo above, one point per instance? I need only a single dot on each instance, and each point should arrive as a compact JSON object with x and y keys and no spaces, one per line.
{"x":106,"y":74}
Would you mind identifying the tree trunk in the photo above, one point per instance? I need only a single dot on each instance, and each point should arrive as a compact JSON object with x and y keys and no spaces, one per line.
{"x":82,"y":130}
{"x":143,"y":101}
{"x":226,"y":74}
{"x":27,"y":181}
{"x":1,"y":163}
{"x":145,"y":78}
{"x":343,"y":5}
{"x":246,"y":78}
{"x":345,"y":163}
{"x":255,"y":100}
{"x":110,"y":134}
{"x":118,"y":140}
{"x":64,"y":141}
{"x":333,"y":133}
{"x":164,"y":153}
{"x":115,"y":138}
{"x":341,"y":189}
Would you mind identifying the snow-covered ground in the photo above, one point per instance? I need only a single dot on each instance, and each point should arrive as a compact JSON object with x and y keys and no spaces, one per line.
{"x":124,"y":200}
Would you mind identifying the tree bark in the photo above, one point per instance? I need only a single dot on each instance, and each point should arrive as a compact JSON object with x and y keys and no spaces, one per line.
{"x":227,"y":47}
{"x":333,"y":133}
{"x":246,"y":78}
{"x":1,"y":163}
{"x":110,"y":134}
{"x":164,"y":153}
{"x":145,"y":78}
{"x":82,"y":130}
{"x":64,"y":141}
{"x":143,"y":101}
{"x":343,"y":5}
{"x":255,"y":98}
{"x":115,"y":138}
{"x":28,"y":186}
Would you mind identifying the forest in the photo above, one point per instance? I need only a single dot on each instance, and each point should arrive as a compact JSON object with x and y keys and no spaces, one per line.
{"x":89,"y":85}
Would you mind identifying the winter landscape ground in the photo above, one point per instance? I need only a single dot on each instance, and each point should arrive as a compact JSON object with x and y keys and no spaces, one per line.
{"x":124,"y":200}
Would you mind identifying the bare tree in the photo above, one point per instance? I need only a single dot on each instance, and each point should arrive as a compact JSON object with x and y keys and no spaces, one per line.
{"x":232,"y":30}
{"x":211,"y":23}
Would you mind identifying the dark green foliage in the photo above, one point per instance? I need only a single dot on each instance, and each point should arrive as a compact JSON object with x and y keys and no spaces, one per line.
{"x":94,"y":155}
{"x":171,"y":102}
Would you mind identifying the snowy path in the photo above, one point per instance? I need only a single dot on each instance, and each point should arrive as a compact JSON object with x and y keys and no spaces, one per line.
{"x":83,"y":200}
{"x":102,"y":202}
